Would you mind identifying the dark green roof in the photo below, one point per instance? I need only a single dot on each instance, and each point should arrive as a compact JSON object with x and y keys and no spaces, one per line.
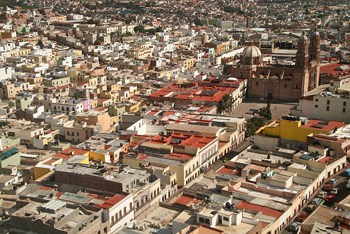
{"x":6,"y":154}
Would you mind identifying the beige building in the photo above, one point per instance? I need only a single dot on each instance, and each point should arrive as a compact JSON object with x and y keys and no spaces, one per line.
{"x":78,"y":133}
{"x":57,"y":81}
{"x":10,"y":90}
{"x":26,"y":131}
{"x":99,"y":119}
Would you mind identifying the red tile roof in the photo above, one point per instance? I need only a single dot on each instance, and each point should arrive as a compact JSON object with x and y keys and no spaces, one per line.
{"x":325,"y":159}
{"x":322,"y":125}
{"x":185,"y":200}
{"x":49,"y":162}
{"x":112,"y":201}
{"x":70,"y":152}
{"x":179,"y":157}
{"x":208,"y":92}
{"x":257,"y":208}
{"x":46,"y":188}
{"x":225,"y":170}
{"x":332,"y":70}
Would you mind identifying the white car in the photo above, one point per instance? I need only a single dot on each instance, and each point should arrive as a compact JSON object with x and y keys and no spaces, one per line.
{"x":322,"y":194}
{"x":333,"y":181}
{"x":334,"y":191}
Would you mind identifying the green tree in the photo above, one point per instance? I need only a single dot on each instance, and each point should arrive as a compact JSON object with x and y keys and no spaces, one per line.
{"x":159,"y":29}
{"x":253,"y":124}
{"x":229,"y":9}
{"x":225,"y":104}
{"x":197,"y":22}
{"x":266,"y":112}
{"x":139,"y":29}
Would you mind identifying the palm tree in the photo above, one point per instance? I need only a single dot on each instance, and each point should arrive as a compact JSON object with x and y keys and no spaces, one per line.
{"x":225,"y":104}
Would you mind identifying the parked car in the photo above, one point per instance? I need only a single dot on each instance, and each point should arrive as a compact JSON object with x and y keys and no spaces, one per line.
{"x":329,"y":198}
{"x":294,"y":227}
{"x":301,"y":218}
{"x":317,"y":201}
{"x":310,"y":208}
{"x":333,"y":181}
{"x":346,"y":173}
{"x":334,"y":191}
{"x":328,"y":187}
{"x":322,"y":194}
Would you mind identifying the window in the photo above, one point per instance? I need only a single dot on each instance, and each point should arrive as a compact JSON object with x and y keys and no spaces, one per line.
{"x":256,"y":83}
{"x":77,"y":133}
{"x":296,"y":86}
{"x":344,"y":110}
{"x":285,"y":86}
{"x":201,"y":220}
{"x":206,"y":221}
{"x":316,"y":100}
{"x":316,"y":106}
{"x":225,"y":219}
{"x":72,"y":133}
{"x":327,"y":108}
{"x":328,"y":102}
{"x":344,"y":103}
{"x":67,"y":133}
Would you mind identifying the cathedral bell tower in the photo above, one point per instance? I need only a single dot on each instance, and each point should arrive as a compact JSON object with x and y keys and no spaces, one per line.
{"x":314,"y":59}
{"x":302,"y":56}
{"x":315,"y":46}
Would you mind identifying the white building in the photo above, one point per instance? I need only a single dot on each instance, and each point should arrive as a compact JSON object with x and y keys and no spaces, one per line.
{"x":326,"y":103}
{"x":6,"y":73}
{"x":121,"y":213}
{"x":67,"y":106}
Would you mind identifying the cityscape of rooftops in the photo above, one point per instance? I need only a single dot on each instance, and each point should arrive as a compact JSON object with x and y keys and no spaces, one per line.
{"x":174,"y":116}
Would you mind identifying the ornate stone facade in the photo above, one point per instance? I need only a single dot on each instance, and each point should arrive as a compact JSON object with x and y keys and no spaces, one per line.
{"x":282,"y":82}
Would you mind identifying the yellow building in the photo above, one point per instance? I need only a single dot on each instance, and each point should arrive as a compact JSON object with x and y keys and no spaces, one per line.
{"x":10,"y":90}
{"x":293,"y":129}
{"x":113,"y":95}
{"x":90,"y":80}
{"x":46,"y":166}
{"x":133,"y":107}
{"x":187,"y":63}
{"x":140,"y":53}
{"x":106,"y":154}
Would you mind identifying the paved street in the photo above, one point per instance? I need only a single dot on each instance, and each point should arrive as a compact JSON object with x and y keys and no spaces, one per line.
{"x":277,"y":109}
{"x":342,"y":193}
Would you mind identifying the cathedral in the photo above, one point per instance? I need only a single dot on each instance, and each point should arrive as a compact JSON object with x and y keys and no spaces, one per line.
{"x":280,"y":82}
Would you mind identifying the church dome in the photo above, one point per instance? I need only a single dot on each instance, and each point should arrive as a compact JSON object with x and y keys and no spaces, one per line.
{"x":251,"y":52}
{"x":251,"y":55}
